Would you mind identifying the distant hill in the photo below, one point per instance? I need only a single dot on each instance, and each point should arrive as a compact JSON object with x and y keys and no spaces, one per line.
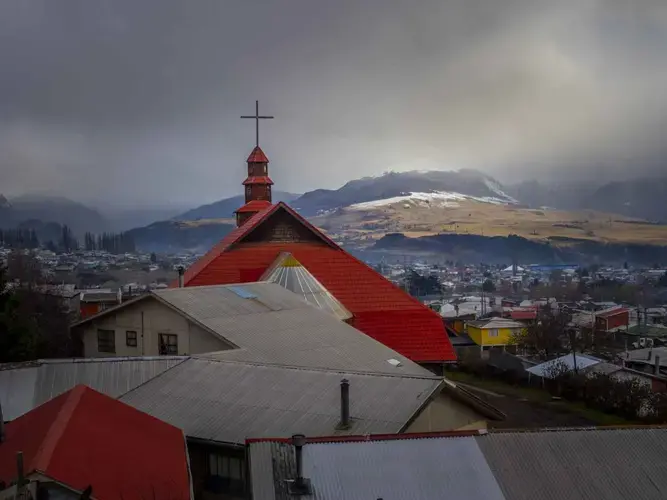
{"x":392,"y":187}
{"x":77,"y":216}
{"x":172,"y":235}
{"x":502,"y":249}
{"x":640,"y":197}
{"x":225,"y":208}
{"x":122,"y":220}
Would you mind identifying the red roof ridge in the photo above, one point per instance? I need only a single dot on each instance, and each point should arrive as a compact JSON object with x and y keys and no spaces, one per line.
{"x":57,"y":428}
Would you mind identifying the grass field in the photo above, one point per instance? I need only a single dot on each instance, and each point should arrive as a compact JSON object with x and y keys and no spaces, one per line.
{"x":532,"y":407}
{"x":473,"y":217}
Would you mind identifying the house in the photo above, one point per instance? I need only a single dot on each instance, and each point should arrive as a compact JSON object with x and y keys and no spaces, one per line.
{"x":272,"y":239}
{"x":612,"y":318}
{"x":94,"y":301}
{"x":568,"y":362}
{"x":493,"y":331}
{"x":84,"y":439}
{"x":563,"y":464}
{"x":289,"y":366}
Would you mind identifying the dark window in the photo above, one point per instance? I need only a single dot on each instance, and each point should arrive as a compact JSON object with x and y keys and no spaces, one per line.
{"x":247,"y":191}
{"x":168,"y":344}
{"x":131,"y":338}
{"x":225,"y":474}
{"x":106,"y":341}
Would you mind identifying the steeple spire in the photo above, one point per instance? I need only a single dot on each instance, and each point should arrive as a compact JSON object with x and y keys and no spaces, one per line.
{"x":258,"y":183}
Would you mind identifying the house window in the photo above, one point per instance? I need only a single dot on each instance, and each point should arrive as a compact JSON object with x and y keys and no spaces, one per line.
{"x":248,"y":191}
{"x":493,"y":333}
{"x":168,"y":344}
{"x":106,"y":341}
{"x":264,"y":169}
{"x":131,"y":338}
{"x":225,"y":474}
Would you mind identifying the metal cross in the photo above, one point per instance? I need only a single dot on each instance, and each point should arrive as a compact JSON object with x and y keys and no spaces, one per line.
{"x":257,"y":118}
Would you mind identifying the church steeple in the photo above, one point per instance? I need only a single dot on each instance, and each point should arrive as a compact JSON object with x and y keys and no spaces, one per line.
{"x":258,"y":183}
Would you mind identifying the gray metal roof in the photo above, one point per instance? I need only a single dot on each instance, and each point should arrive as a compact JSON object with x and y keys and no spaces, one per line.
{"x":229,"y":401}
{"x":614,"y":464}
{"x":272,"y":325}
{"x":27,"y":385}
{"x":405,"y":469}
{"x":579,"y":464}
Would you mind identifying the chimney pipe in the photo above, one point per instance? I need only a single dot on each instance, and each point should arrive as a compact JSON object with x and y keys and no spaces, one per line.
{"x":656,"y":369}
{"x":344,"y":404}
{"x":181,"y":280}
{"x":298,"y":441}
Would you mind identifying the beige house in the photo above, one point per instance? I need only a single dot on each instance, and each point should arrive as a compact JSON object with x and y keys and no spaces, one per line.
{"x":146,"y":326}
{"x":279,"y":367}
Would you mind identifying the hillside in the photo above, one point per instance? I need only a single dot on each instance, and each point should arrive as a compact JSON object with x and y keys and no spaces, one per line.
{"x":502,"y":250}
{"x":430,"y":214}
{"x":77,"y":216}
{"x":633,"y":198}
{"x":395,"y":185}
{"x":418,"y":204}
{"x":168,"y":236}
{"x":225,"y":208}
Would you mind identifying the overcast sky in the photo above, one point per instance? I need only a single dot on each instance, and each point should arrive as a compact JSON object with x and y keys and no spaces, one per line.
{"x":138,"y":101}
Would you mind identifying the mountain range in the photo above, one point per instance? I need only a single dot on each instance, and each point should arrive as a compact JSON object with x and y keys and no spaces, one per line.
{"x":639,"y":198}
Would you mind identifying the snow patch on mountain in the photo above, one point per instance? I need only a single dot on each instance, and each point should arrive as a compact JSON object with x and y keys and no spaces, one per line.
{"x":496,"y":188}
{"x":443,"y":199}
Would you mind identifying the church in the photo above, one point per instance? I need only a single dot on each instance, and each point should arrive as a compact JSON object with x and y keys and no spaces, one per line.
{"x":273,"y":242}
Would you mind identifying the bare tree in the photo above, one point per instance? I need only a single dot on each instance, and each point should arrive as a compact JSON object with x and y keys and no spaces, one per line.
{"x":546,"y":337}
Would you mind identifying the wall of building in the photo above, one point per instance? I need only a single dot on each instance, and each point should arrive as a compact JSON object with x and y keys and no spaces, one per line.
{"x":199,"y":454}
{"x":482,"y":336}
{"x":149,"y":318}
{"x":446,"y":414}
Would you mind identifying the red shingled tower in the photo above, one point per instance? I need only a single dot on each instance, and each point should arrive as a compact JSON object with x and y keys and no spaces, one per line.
{"x":258,"y":183}
{"x":257,"y":186}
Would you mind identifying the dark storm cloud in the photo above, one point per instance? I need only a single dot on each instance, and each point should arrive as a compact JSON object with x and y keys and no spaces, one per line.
{"x":137,"y":101}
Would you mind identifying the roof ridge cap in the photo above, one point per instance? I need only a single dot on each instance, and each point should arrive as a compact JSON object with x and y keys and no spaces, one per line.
{"x":312,"y":369}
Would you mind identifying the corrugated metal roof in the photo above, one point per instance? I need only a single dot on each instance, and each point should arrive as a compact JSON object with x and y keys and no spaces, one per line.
{"x":23,"y":388}
{"x":568,"y":361}
{"x":579,"y":465}
{"x":229,"y":401}
{"x":406,"y":469}
{"x":276,"y":326}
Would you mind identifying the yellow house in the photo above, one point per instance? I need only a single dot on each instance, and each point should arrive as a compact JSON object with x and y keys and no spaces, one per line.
{"x":493,"y":331}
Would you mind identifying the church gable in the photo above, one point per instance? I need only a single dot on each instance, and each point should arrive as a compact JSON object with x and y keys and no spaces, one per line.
{"x":281,"y":227}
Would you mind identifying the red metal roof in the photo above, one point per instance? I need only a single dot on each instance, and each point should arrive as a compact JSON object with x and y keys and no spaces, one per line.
{"x":83,"y":438}
{"x":254,"y":206}
{"x":611,"y":312}
{"x":257,"y":156}
{"x":264,"y":179}
{"x":380,"y":309}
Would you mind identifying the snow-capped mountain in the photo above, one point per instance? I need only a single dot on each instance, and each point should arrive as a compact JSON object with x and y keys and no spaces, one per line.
{"x":433,"y":188}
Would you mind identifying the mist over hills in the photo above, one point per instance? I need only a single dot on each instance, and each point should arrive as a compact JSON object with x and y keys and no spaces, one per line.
{"x":224,"y":208}
{"x":162,"y":228}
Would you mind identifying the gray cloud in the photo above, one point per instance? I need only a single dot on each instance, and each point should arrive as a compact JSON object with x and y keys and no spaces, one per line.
{"x":137,"y":102}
